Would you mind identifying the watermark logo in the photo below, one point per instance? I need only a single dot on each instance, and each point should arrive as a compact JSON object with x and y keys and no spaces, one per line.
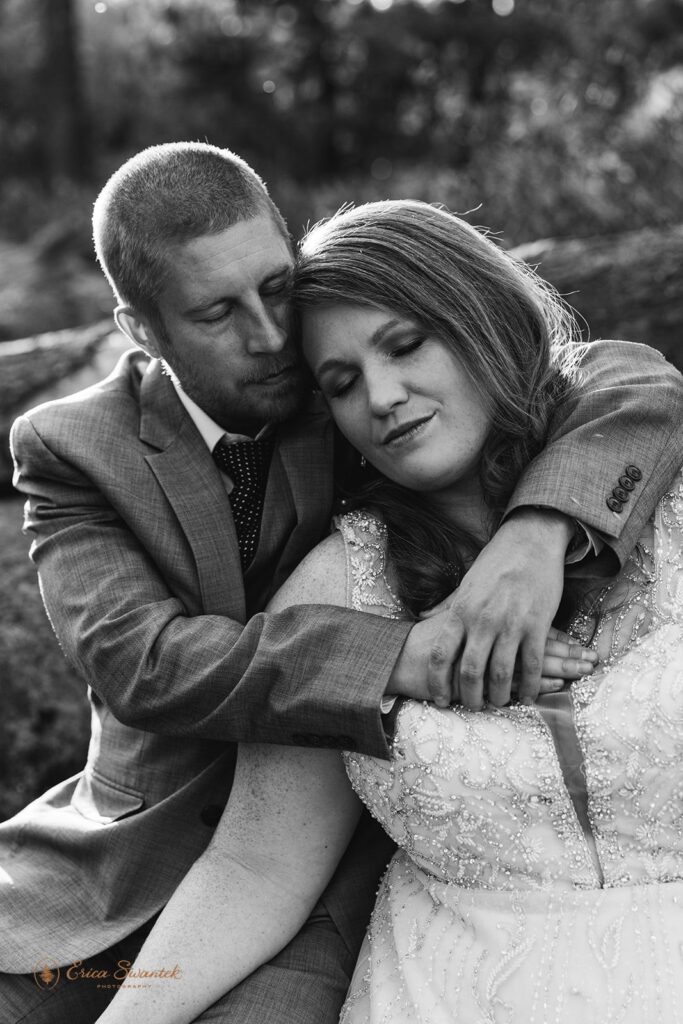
{"x":46,"y":974}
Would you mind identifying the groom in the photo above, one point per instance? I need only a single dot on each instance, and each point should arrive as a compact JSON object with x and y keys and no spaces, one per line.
{"x":166,"y":505}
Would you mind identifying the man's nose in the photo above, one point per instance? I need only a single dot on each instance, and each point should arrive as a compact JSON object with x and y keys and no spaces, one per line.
{"x":266,"y":330}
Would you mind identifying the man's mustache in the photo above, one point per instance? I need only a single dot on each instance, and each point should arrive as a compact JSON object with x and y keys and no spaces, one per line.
{"x":271,"y":367}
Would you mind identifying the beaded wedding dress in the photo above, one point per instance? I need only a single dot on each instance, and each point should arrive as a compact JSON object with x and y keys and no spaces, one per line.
{"x":539,"y":875}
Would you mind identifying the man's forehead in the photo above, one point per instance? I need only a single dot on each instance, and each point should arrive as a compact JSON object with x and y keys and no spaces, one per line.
{"x":244,"y":255}
{"x":257,"y":239}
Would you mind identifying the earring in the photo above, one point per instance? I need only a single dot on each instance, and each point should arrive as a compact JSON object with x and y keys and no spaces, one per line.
{"x":363,"y":462}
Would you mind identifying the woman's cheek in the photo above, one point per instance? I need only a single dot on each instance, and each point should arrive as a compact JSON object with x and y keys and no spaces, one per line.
{"x":348,"y":420}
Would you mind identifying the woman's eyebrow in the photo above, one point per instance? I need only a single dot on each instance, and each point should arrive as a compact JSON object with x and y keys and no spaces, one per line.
{"x":384,"y":329}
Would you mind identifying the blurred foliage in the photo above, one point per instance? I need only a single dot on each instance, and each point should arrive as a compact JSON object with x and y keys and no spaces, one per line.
{"x":557,"y":117}
{"x":45,"y":722}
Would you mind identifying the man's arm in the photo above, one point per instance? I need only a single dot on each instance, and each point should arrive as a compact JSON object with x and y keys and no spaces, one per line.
{"x":614,"y":451}
{"x":290,"y":816}
{"x":308,"y":675}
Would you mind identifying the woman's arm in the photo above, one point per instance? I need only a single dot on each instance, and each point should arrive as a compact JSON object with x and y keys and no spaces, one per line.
{"x":290,"y":816}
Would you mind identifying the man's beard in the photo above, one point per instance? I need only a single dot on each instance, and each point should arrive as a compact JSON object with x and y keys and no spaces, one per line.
{"x":230,"y":411}
{"x":241,"y":413}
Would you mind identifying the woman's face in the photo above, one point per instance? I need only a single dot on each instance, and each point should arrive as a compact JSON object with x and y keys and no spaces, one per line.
{"x":399,"y":395}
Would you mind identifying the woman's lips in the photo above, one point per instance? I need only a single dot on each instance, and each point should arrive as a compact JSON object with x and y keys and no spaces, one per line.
{"x":405,"y":430}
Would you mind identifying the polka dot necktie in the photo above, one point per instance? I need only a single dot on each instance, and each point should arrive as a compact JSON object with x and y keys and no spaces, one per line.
{"x":247,"y":464}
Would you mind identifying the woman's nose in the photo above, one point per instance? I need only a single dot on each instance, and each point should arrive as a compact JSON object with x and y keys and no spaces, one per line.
{"x":386,"y":390}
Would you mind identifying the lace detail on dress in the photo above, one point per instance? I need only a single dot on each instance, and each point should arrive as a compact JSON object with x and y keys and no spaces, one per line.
{"x":367,"y":586}
{"x":647,"y":592}
{"x":669,"y":525}
{"x":629,"y":717}
{"x":477,"y":798}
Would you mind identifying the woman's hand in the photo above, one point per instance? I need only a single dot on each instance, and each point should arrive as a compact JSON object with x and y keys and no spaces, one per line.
{"x":563,"y":660}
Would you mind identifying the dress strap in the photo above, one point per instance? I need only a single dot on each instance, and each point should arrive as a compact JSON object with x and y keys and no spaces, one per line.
{"x":367,"y":585}
{"x":669,"y":551}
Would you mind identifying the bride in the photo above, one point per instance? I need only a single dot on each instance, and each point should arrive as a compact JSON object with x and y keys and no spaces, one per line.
{"x":539,"y":872}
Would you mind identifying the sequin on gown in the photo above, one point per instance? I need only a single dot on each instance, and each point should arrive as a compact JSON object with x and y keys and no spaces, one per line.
{"x":539,"y":875}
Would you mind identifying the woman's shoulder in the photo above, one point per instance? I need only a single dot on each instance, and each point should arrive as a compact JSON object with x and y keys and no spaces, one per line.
{"x":348,"y":568}
{"x":319,"y":579}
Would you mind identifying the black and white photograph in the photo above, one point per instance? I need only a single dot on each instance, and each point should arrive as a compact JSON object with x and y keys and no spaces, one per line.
{"x":341,"y":511}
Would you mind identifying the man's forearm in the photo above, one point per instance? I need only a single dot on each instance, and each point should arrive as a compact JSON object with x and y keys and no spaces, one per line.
{"x":553,"y":531}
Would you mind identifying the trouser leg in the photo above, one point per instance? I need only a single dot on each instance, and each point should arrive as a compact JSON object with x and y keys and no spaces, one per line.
{"x":25,"y":1000}
{"x":304,"y":984}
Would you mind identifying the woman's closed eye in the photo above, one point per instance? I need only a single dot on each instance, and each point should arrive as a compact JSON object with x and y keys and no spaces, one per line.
{"x":338,"y":389}
{"x":408,"y":347}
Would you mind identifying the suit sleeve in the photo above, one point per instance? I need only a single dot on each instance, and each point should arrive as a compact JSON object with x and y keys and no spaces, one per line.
{"x":311,"y":675}
{"x":614,"y":449}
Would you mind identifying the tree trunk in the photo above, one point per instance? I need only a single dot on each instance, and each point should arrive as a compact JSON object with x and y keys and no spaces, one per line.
{"x":64,"y":128}
{"x":34,"y":369}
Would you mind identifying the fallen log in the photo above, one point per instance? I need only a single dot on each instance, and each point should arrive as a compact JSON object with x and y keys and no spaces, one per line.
{"x":627,"y":285}
{"x":30,"y":365}
{"x":31,"y":369}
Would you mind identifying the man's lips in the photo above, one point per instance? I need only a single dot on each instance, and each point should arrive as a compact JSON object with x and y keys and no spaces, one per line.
{"x":404,"y":428}
{"x":278,"y":374}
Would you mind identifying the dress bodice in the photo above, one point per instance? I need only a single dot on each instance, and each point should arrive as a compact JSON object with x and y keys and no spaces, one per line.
{"x":480,"y":799}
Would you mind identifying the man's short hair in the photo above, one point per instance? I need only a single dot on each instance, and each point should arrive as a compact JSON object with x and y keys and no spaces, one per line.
{"x":169,"y":194}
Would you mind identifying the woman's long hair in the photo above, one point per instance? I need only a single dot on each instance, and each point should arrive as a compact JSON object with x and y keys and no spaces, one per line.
{"x":508,"y":328}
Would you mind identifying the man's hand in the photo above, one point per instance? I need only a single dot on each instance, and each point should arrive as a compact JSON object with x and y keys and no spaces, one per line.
{"x":563,"y":660}
{"x":500,"y":615}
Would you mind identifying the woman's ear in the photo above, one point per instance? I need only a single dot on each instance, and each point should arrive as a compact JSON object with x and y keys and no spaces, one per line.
{"x":137,"y":329}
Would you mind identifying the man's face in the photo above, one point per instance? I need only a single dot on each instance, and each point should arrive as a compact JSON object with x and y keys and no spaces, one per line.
{"x":224,"y":313}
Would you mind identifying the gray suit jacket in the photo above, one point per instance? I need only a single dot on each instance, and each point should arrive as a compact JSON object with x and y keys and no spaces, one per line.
{"x":140,"y":572}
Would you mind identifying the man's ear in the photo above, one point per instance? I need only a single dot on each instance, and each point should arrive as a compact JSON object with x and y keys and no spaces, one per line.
{"x":138,"y":330}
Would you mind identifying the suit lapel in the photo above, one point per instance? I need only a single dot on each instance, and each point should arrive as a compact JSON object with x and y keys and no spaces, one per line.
{"x":186,"y":473}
